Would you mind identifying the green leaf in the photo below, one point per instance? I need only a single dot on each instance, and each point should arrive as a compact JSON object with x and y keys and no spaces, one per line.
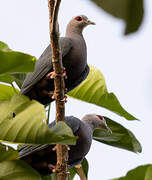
{"x":131,"y":11}
{"x":80,"y":168}
{"x":6,"y":92}
{"x":72,"y":173}
{"x":50,"y":177}
{"x":120,"y":137}
{"x":7,"y":153}
{"x":18,"y":78}
{"x":93,"y":90}
{"x":140,"y":173}
{"x":24,"y":121}
{"x":17,"y":170}
{"x":10,"y":77}
{"x":13,"y":61}
{"x":4,"y":47}
{"x":85,"y":166}
{"x":7,"y":78}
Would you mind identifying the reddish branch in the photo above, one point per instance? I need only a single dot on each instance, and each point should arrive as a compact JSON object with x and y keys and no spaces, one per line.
{"x":61,"y":150}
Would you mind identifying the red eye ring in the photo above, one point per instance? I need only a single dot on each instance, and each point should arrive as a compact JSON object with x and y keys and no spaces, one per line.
{"x":78,"y":18}
{"x":100,"y":117}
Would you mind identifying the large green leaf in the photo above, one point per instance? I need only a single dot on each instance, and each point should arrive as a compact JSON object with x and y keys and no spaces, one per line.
{"x":72,"y":173}
{"x":139,"y":173}
{"x":24,"y":121}
{"x":18,"y":77}
{"x":120,"y":137}
{"x":17,"y":170}
{"x":50,"y":177}
{"x":6,"y":92}
{"x":6,"y":77}
{"x":12,"y":61}
{"x":131,"y":11}
{"x":7,"y":153}
{"x":93,"y":90}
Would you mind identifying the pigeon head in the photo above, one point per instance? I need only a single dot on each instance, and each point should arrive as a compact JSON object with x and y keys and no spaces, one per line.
{"x":78,"y":23}
{"x":96,"y":122}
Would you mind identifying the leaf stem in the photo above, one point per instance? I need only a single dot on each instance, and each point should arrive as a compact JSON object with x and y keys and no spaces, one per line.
{"x":80,"y":172}
{"x":48,"y":113}
{"x":14,"y":88}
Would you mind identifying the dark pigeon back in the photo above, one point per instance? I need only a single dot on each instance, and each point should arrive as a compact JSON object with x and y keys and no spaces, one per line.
{"x":71,"y":121}
{"x":44,"y":65}
{"x":39,"y":156}
{"x":37,"y":86}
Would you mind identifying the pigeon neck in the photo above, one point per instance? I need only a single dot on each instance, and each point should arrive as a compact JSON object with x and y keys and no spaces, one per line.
{"x":89,"y":123}
{"x":70,"y":31}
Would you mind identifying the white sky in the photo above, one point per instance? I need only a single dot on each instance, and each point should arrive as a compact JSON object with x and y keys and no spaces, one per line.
{"x":124,"y":61}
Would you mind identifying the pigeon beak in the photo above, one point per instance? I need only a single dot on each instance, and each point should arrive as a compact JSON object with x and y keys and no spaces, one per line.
{"x":106,"y":128}
{"x":90,"y":22}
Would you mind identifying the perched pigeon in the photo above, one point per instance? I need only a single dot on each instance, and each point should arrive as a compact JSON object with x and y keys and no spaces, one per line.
{"x":39,"y":85}
{"x":42,"y":157}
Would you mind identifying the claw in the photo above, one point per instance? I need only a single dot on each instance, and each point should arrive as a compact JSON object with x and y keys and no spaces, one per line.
{"x":64,"y":99}
{"x":52,"y":167}
{"x":54,"y":148}
{"x":53,"y":96}
{"x":51,"y":75}
{"x":50,"y":93}
{"x":65,"y":90}
{"x":68,"y":147}
{"x":64,"y":74}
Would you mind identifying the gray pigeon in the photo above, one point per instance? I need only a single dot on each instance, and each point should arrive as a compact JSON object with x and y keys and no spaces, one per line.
{"x":39,"y":85}
{"x":42,"y":158}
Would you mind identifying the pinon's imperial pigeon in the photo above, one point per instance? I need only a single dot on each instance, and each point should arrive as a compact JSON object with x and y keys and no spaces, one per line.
{"x":42,"y":157}
{"x":39,"y":85}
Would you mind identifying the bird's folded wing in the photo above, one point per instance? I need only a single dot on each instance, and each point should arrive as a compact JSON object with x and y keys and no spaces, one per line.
{"x":44,"y":64}
{"x":71,"y":121}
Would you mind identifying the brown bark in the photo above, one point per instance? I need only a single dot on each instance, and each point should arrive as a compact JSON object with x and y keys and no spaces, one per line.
{"x":61,"y":150}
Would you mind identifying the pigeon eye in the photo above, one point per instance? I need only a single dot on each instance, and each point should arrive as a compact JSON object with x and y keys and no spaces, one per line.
{"x":100,"y":117}
{"x":78,"y":18}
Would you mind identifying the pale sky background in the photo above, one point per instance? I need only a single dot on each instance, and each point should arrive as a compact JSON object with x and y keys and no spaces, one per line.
{"x":125,"y":62}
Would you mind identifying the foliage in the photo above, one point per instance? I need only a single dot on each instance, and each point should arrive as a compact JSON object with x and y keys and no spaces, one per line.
{"x":12,"y":61}
{"x":17,"y":170}
{"x":120,"y":137}
{"x":6,"y":92}
{"x":32,"y":114}
{"x":140,"y":173}
{"x":24,"y":121}
{"x":8,"y":153}
{"x":93,"y":90}
{"x":125,"y":10}
{"x":17,"y":111}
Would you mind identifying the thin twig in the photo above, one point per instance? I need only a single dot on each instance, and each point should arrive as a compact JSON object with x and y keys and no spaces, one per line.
{"x":61,"y":150}
{"x":80,"y":172}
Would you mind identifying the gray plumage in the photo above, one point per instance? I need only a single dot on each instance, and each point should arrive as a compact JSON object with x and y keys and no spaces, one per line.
{"x":74,"y":58}
{"x":41,"y":156}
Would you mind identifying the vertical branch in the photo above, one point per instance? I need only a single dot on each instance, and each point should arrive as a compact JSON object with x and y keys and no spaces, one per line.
{"x":61,"y":150}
